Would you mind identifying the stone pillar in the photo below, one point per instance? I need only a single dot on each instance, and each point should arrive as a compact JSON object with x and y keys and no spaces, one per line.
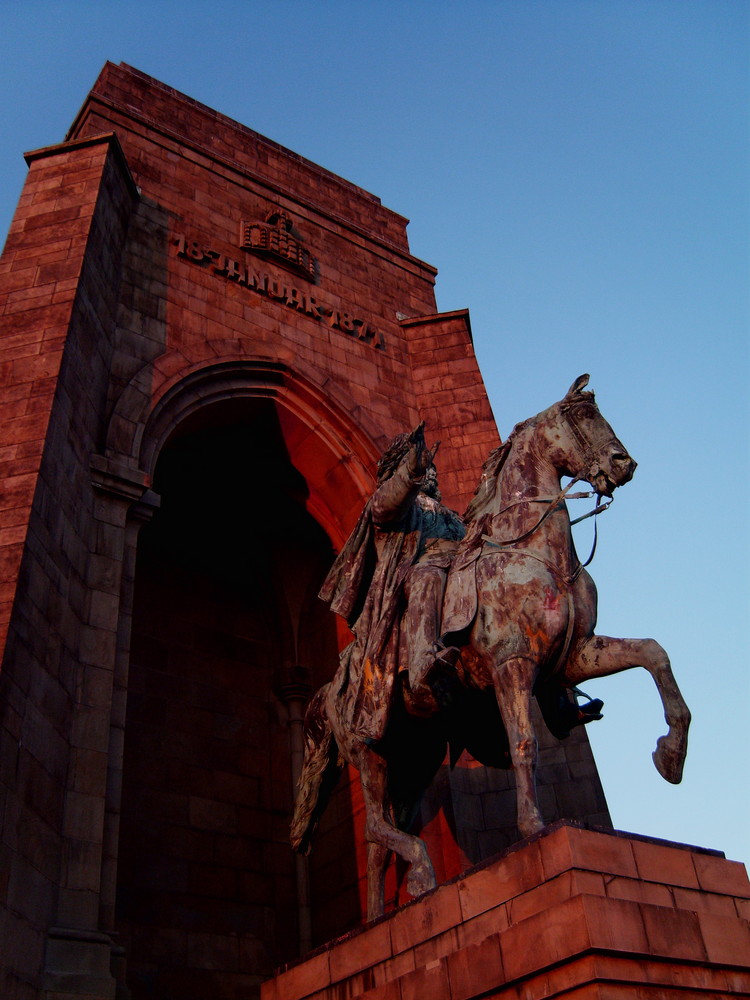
{"x":60,"y":281}
{"x":80,"y":947}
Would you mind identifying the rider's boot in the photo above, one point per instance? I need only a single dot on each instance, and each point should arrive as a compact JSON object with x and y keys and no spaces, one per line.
{"x":590,"y":712}
{"x":431,"y":679}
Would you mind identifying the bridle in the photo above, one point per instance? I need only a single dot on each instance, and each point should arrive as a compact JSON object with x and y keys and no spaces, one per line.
{"x":572,"y":412}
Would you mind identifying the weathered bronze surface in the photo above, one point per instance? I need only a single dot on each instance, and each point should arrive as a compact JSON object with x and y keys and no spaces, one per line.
{"x":519,"y":606}
{"x":388,"y":583}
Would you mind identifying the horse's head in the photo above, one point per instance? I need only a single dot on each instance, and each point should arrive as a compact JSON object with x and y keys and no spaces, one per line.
{"x":587,"y":444}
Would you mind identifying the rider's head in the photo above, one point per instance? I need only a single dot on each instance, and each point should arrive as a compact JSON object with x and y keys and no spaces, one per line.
{"x":394,"y":455}
{"x":430,"y":483}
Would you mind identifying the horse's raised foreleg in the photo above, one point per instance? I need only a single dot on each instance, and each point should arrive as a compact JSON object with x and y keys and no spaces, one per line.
{"x":601,"y":656}
{"x":380,"y":831}
{"x":514,"y":682}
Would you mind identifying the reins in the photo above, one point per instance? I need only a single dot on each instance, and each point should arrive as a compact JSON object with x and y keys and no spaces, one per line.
{"x":553,"y":503}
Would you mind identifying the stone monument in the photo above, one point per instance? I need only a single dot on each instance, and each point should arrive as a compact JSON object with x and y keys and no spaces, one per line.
{"x":458,"y":627}
{"x":207,"y":343}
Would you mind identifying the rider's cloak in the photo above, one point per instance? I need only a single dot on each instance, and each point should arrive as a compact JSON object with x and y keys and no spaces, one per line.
{"x":365,"y":587}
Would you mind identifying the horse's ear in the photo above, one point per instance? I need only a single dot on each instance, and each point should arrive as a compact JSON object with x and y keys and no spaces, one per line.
{"x":578,"y":386}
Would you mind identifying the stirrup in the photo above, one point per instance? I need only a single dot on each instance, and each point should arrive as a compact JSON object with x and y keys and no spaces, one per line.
{"x":447,"y":656}
{"x":591,"y":711}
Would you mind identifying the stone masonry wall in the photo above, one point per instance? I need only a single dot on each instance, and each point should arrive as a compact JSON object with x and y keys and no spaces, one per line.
{"x":130,"y":306}
{"x":60,"y":294}
{"x":202,"y":188}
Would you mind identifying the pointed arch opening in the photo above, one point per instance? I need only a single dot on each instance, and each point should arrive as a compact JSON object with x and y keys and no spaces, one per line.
{"x":254,"y":500}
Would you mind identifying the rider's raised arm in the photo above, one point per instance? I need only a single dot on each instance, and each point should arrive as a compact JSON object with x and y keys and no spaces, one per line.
{"x":393,"y":498}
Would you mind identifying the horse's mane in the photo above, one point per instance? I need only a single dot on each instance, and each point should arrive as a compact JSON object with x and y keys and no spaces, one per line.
{"x":486,"y":489}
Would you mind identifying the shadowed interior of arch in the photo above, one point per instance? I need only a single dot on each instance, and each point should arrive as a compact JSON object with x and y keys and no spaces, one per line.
{"x":226,"y":589}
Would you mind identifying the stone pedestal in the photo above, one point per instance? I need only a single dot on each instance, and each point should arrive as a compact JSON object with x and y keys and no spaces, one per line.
{"x":573,"y":912}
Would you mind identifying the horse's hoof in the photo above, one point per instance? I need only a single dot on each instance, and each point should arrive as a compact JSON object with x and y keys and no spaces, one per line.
{"x":420,"y":879}
{"x":529,"y":829}
{"x":531,"y":823}
{"x":668,"y":762}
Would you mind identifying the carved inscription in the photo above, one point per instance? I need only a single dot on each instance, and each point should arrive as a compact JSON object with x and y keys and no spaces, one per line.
{"x":266,"y":285}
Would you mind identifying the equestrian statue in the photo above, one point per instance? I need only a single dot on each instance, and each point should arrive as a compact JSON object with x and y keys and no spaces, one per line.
{"x":459,"y":622}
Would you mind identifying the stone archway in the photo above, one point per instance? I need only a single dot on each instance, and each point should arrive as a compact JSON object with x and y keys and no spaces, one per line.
{"x":331,"y":439}
{"x":224,"y":606}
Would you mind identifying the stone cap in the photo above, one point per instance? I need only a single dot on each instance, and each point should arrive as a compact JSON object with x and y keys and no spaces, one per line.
{"x":148,"y":103}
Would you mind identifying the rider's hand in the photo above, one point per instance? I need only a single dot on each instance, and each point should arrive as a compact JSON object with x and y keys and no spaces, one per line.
{"x":419,"y":456}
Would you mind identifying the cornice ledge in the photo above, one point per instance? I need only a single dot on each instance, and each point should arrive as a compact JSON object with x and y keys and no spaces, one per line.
{"x":108,"y":138}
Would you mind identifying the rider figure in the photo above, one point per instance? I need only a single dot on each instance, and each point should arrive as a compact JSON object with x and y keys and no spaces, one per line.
{"x":440,"y":531}
{"x":388,"y":583}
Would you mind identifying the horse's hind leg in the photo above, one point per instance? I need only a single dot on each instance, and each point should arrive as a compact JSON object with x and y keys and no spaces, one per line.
{"x":378,"y":857}
{"x":514,"y":682}
{"x":380,"y":831}
{"x":601,"y":656}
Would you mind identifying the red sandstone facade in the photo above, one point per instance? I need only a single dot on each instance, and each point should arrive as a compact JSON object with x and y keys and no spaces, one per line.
{"x":206,"y":342}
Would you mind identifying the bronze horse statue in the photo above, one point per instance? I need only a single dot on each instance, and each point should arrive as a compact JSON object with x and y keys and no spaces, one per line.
{"x":522,"y":609}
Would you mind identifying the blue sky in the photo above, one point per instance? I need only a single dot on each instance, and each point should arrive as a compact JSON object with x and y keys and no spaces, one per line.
{"x":578,"y":172}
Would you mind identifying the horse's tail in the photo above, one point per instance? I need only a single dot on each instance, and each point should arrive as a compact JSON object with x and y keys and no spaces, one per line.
{"x":320,"y":772}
